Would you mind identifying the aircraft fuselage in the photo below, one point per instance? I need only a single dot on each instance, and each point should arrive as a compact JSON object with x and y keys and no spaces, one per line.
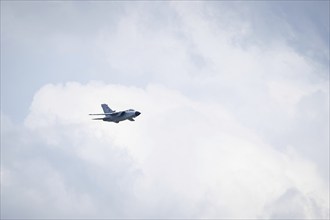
{"x":118,"y":116}
{"x":113,"y":116}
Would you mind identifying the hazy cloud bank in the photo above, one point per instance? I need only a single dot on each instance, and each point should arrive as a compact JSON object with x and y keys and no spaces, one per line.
{"x":179,"y":44}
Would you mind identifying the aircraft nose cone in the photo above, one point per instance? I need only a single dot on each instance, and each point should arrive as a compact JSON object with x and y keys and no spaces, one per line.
{"x":137,"y":113}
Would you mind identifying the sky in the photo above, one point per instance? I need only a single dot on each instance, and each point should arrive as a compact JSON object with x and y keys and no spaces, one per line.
{"x":234,"y":102}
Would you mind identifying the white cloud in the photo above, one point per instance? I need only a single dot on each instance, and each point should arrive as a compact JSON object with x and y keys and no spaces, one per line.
{"x":234,"y":124}
{"x":180,"y":159}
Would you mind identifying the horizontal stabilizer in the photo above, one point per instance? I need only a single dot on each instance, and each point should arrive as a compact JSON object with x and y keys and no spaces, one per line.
{"x":104,"y":114}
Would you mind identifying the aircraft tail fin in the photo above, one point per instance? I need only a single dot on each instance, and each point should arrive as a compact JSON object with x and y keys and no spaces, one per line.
{"x":106,"y":108}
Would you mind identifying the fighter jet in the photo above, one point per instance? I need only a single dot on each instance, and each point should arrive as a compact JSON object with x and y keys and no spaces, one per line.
{"x":113,"y":116}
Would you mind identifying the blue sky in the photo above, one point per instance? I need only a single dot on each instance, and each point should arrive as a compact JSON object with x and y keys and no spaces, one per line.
{"x":234,"y":99}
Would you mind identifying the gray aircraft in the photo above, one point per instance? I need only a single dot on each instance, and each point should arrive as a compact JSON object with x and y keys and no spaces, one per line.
{"x":113,"y":116}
